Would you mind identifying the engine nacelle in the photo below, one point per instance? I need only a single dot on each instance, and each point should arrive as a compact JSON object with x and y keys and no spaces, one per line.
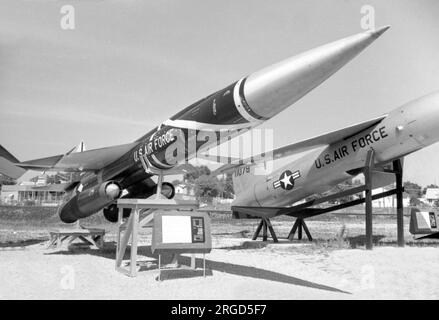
{"x":89,"y":201}
{"x":142,"y":190}
{"x":168,"y":190}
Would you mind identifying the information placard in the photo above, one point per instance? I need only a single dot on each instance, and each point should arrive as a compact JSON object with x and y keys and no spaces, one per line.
{"x":181,"y":232}
{"x":422,"y":222}
{"x":176,"y":229}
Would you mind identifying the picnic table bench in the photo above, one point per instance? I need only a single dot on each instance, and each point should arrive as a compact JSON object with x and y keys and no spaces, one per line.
{"x":90,"y":236}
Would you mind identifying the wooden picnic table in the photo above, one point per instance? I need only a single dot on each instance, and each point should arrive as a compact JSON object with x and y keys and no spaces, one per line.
{"x":90,"y":236}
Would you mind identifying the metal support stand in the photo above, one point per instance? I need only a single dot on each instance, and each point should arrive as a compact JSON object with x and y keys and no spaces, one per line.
{"x":159,"y":185}
{"x":397,"y":166}
{"x":368,"y":197}
{"x":264,"y":224}
{"x":305,"y":210}
{"x":130,"y":229}
{"x":399,"y":189}
{"x":299,"y":224}
{"x":142,"y":214}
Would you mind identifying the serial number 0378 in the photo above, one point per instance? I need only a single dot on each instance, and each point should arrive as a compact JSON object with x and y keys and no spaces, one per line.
{"x":248,"y":309}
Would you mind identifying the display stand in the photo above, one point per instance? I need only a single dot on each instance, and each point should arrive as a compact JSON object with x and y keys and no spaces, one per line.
{"x":299,"y":225}
{"x":142,"y":214}
{"x":264,"y":225}
{"x":304,"y":210}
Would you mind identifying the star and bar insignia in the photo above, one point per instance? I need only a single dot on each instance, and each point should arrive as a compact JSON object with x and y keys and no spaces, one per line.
{"x":286,"y":180}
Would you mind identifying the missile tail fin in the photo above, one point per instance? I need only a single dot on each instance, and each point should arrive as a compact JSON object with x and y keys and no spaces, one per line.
{"x":7,"y":164}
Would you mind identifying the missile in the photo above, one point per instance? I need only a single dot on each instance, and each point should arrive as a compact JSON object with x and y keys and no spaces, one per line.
{"x":249,"y":101}
{"x":402,"y":131}
{"x":272,"y":89}
{"x":242,"y":105}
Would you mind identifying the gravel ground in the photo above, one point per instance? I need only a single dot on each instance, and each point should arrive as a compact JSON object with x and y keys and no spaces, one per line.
{"x":238,"y":268}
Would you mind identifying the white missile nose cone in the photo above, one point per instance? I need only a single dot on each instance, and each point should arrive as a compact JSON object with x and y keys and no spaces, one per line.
{"x":112,"y":190}
{"x":272,"y":89}
{"x":378,"y":32}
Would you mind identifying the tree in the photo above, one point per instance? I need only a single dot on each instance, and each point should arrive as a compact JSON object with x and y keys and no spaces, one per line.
{"x":412,"y":189}
{"x":207,"y":186}
{"x":193,"y":175}
{"x":414,"y":201}
{"x":227,"y":186}
{"x":4,"y":180}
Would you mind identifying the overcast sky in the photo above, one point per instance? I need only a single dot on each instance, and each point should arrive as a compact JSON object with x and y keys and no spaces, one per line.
{"x":129,"y":65}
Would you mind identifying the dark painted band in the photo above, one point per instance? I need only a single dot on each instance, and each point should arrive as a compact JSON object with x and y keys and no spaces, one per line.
{"x":245,"y":103}
{"x":156,"y":164}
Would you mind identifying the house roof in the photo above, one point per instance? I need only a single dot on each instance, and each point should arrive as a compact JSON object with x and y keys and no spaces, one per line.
{"x":58,"y":187}
{"x":432,"y":193}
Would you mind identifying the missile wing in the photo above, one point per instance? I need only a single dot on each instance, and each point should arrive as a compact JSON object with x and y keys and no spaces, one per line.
{"x":91,"y":160}
{"x":9,"y":169}
{"x":7,"y":155}
{"x":7,"y":166}
{"x":294,"y":148}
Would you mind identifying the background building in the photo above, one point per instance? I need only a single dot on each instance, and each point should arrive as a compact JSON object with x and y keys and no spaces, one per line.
{"x":432,"y":195}
{"x":23,"y":194}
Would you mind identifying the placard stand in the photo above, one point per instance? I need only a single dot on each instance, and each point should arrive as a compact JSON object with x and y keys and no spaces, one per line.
{"x":141,"y":215}
{"x":174,"y":260}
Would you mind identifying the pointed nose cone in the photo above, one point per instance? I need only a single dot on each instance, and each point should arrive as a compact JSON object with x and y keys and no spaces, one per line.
{"x":378,"y":32}
{"x":271,"y":90}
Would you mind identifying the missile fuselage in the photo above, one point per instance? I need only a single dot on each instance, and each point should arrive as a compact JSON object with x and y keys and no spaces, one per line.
{"x":226,"y":113}
{"x":403,"y":131}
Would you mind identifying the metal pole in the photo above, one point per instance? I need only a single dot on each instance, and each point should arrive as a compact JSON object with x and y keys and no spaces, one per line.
{"x":258,"y":230}
{"x":264,"y":230}
{"x":134,"y":239}
{"x":397,"y":166}
{"x":299,"y":230}
{"x":270,"y":228}
{"x":293,"y":229}
{"x":368,"y":202}
{"x":119,"y":222}
{"x":160,"y":279}
{"x":305,"y":228}
{"x":159,"y":185}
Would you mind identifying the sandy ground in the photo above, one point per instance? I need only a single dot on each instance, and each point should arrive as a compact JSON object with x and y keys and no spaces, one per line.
{"x":237,"y":269}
